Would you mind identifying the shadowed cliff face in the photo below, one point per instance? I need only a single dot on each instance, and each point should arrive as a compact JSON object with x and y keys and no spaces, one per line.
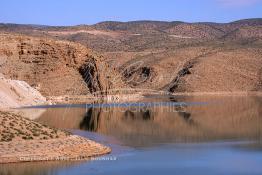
{"x":222,"y":118}
{"x":55,"y":67}
{"x":90,"y":75}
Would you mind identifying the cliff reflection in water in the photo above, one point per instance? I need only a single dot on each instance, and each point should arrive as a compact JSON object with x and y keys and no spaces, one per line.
{"x":222,"y":118}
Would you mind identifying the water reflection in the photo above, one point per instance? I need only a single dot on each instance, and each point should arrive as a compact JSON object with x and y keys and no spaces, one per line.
{"x":91,"y":119}
{"x":31,"y":168}
{"x":222,"y":119}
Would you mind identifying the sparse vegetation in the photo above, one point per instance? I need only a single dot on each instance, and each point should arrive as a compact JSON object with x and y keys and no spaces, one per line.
{"x":15,"y":127}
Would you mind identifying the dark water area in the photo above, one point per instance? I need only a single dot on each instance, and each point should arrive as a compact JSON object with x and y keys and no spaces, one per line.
{"x":161,"y":135}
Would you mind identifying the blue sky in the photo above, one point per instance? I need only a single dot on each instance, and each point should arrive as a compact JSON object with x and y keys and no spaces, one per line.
{"x":73,"y":12}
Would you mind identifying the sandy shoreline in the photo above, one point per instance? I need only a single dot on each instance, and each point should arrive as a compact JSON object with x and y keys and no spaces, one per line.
{"x":220,"y":93}
{"x":141,"y":95}
{"x":70,"y":148}
{"x":23,"y":140}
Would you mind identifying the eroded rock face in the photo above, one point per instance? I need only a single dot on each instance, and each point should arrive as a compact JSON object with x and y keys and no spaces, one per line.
{"x":55,"y":67}
{"x":15,"y":93}
{"x":136,"y":75}
{"x":90,"y":75}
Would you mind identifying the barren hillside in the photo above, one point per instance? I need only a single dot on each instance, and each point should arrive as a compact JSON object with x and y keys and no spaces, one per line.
{"x":55,"y":67}
{"x":171,"y":56}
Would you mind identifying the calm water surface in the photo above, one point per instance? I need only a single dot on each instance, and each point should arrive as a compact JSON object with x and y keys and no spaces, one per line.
{"x":161,"y":135}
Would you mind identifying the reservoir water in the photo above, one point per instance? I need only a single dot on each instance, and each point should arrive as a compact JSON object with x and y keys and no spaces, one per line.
{"x":160,"y":135}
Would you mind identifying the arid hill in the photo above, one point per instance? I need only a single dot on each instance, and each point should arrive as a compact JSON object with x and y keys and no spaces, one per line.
{"x":170,"y":56}
{"x":116,"y":36}
{"x":55,"y":67}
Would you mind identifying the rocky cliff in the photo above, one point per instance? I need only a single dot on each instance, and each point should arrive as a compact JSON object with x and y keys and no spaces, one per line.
{"x":55,"y":67}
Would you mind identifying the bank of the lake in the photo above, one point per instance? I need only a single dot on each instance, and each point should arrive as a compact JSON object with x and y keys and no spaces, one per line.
{"x":23,"y":140}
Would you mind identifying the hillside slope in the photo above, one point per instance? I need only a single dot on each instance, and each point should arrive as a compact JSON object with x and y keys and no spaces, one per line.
{"x":55,"y":67}
{"x":156,"y":55}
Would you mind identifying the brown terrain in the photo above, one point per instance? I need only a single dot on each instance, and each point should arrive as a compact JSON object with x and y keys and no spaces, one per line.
{"x":23,"y":140}
{"x":155,"y":55}
{"x":55,"y":68}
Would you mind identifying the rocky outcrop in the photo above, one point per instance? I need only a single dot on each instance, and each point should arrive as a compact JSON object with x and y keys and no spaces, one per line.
{"x":55,"y":67}
{"x":135,"y":75}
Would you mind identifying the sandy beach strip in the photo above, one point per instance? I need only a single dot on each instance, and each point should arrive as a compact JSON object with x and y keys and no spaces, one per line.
{"x":23,"y":140}
{"x":66,"y":149}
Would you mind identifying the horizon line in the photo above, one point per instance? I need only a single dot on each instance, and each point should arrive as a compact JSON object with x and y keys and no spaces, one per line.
{"x":142,"y":20}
